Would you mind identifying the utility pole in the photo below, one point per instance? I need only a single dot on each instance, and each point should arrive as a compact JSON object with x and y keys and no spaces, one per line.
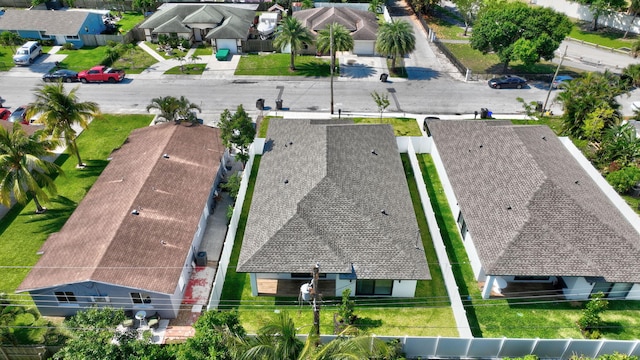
{"x":315,"y":301}
{"x":333,"y":65}
{"x":544,"y":107}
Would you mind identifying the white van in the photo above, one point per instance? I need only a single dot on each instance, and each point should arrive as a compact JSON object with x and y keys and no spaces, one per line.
{"x":27,"y":53}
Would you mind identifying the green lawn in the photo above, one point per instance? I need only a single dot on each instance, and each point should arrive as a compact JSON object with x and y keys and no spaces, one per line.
{"x":84,"y":58}
{"x":132,"y":62}
{"x":22,"y":232}
{"x":6,"y":58}
{"x":188,"y":69}
{"x":278,"y":65}
{"x":428,"y":314}
{"x":129,"y":20}
{"x":445,"y":30}
{"x":401,"y":126}
{"x":203,"y":51}
{"x":603,"y":37}
{"x":517,"y":318}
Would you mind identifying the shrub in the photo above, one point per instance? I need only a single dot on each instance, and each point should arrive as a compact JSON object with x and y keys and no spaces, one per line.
{"x":232,"y":185}
{"x":590,"y":319}
{"x":624,"y":179}
{"x":68,"y":46}
{"x":346,"y":308}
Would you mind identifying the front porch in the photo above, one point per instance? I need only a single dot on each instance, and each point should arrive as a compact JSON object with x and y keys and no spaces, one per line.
{"x":291,"y":287}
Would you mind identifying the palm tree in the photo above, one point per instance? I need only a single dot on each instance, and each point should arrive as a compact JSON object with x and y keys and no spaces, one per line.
{"x":276,"y":340}
{"x":186,"y":110}
{"x":634,"y":8}
{"x":60,"y":112}
{"x":292,"y":33}
{"x":633,"y":72}
{"x":395,"y":39}
{"x":342,"y":40}
{"x":376,"y":6}
{"x":24,"y":172}
{"x":168,"y":106}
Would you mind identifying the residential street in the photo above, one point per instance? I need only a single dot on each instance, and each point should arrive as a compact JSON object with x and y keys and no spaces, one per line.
{"x":434,"y":87}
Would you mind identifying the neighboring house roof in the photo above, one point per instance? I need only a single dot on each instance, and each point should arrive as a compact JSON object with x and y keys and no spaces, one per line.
{"x":51,"y":22}
{"x":362,"y":24}
{"x":104,"y":242}
{"x":319,"y":198}
{"x":224,"y":20}
{"x":28,"y":129}
{"x":530,"y":207}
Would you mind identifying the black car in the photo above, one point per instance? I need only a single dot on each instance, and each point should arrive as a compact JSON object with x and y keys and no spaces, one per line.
{"x":61,"y":75}
{"x":508,"y":81}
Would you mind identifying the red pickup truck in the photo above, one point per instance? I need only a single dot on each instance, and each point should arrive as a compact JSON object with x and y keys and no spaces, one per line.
{"x":101,"y":74}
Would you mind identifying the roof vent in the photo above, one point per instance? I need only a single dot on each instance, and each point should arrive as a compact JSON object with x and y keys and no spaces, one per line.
{"x":577,"y":182}
{"x":480,"y":146}
{"x":384,"y":212}
{"x":286,"y":181}
{"x":544,"y":138}
{"x":290,"y":143}
{"x":163,"y":242}
{"x":374,"y":152}
{"x":508,"y":207}
{"x":135,"y":212}
{"x":166,"y":156}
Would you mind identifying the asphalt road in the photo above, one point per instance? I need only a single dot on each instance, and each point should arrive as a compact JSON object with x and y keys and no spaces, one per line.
{"x":435,"y":88}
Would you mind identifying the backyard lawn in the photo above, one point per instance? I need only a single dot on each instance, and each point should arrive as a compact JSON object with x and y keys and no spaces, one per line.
{"x":278,"y":65}
{"x":604,"y":36}
{"x":22,"y":232}
{"x":518,"y":318}
{"x":401,"y":126}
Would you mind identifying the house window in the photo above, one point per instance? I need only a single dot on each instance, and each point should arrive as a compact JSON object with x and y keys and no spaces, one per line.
{"x":66,"y":297}
{"x":462,"y":225}
{"x":140,"y":298}
{"x":374,"y":287}
{"x":44,"y":36}
{"x":72,"y":37}
{"x":612,"y":290}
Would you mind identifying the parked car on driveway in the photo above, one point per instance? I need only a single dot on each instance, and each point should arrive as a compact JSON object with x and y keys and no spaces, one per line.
{"x":101,"y":74}
{"x":508,"y":81}
{"x":4,"y":113}
{"x":61,"y":75}
{"x":561,"y":81}
{"x":27,"y":53}
{"x":19,"y":115}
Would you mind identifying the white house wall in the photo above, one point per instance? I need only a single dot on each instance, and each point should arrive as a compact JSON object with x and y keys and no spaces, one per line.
{"x":230,"y":44}
{"x":342,"y":284}
{"x":364,"y":47}
{"x":577,"y":288}
{"x":574,"y":10}
{"x":634,"y":293}
{"x":404,"y":288}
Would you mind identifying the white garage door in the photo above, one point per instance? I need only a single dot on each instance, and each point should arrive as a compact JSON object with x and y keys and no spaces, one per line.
{"x":227,"y":44}
{"x":363,"y":47}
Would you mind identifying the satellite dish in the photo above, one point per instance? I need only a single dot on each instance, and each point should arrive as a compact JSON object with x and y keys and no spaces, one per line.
{"x":305,"y":292}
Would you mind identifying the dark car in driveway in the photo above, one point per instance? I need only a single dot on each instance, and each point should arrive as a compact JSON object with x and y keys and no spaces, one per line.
{"x":508,"y":81}
{"x":61,"y":75}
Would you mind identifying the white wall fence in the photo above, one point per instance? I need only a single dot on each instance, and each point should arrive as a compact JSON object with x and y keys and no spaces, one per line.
{"x":223,"y":264}
{"x":616,"y":20}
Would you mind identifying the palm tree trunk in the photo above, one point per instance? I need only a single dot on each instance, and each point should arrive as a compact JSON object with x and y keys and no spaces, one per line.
{"x":635,"y":14}
{"x":292,"y":65}
{"x":39,"y":208}
{"x":77,"y":153}
{"x":393,"y":63}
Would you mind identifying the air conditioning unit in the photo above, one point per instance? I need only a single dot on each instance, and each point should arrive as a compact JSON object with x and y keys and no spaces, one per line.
{"x":100,"y":299}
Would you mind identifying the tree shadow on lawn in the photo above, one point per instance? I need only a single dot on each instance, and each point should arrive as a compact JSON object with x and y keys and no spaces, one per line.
{"x":367,"y":324}
{"x":314,"y":68}
{"x":55,"y":217}
{"x":93,"y":168}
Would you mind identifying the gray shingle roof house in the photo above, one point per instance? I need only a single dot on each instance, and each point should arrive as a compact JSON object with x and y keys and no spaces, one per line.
{"x":130,"y":242}
{"x":335,"y":194}
{"x":531,"y":208}
{"x":363,"y":25}
{"x":59,"y":26}
{"x":225,"y":26}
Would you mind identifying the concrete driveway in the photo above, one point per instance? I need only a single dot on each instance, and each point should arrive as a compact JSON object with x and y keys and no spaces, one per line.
{"x":41,"y":66}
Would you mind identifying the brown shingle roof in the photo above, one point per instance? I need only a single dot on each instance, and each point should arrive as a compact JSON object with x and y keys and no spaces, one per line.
{"x":363,"y":25}
{"x":103,"y":241}
{"x":530,"y":207}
